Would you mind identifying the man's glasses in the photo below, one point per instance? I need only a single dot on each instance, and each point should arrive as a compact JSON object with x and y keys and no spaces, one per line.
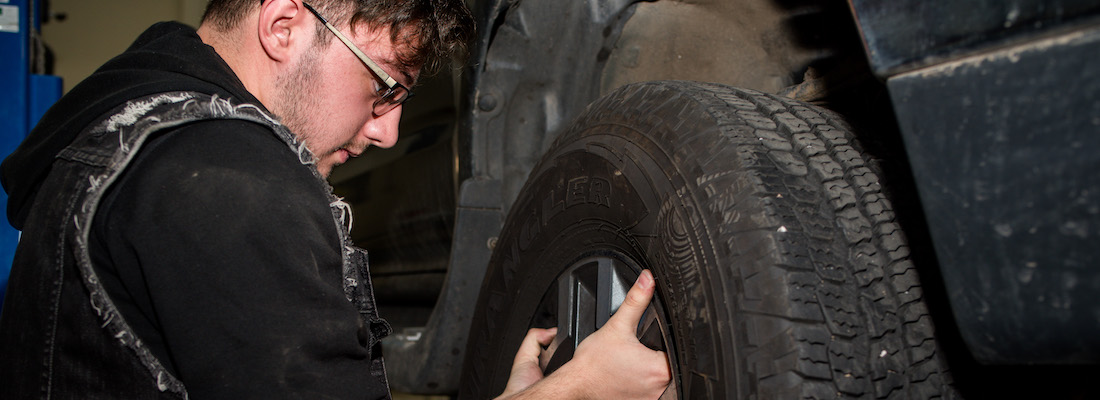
{"x":390,"y":96}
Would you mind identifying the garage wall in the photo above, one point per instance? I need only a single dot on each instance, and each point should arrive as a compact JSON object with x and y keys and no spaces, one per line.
{"x":93,"y":31}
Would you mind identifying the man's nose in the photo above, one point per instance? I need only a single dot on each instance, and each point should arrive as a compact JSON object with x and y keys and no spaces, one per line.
{"x":382,"y":130}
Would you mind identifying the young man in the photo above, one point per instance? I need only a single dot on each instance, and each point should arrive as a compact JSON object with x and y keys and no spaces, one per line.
{"x":179,"y":239}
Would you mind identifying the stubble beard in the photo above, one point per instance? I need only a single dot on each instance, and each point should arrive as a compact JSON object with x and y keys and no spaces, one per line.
{"x":297,"y":102}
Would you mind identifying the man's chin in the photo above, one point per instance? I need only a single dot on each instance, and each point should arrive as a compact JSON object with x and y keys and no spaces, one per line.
{"x":333,"y":160}
{"x":325,"y":169}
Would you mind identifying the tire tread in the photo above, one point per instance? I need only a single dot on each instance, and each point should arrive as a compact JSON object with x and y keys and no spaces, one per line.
{"x":857,"y":313}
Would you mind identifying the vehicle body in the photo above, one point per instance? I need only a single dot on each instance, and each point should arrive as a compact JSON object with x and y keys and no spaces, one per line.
{"x":990,"y":161}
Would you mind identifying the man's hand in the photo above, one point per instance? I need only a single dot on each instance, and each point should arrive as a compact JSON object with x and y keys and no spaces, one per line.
{"x":525,"y":368}
{"x":609,"y":364}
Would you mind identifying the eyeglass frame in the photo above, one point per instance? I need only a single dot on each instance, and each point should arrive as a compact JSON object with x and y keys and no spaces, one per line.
{"x":388,"y":100}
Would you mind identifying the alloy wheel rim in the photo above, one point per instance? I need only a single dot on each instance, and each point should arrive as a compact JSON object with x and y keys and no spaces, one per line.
{"x":590,"y":291}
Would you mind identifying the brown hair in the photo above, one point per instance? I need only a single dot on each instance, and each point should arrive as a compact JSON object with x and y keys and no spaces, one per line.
{"x":428,"y":33}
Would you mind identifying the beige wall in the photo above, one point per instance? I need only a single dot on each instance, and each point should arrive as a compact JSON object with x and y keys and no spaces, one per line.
{"x":96,"y":30}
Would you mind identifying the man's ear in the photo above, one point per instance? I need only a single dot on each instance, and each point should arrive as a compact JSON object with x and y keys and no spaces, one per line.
{"x":283,"y":26}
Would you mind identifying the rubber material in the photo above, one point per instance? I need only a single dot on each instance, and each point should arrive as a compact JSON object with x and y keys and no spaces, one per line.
{"x":776,"y":253}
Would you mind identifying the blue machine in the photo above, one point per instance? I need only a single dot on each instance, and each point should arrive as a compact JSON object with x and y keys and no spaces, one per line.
{"x":25,"y":94}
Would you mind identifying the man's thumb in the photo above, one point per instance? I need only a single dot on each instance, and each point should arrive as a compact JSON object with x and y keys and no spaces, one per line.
{"x":637,"y":299}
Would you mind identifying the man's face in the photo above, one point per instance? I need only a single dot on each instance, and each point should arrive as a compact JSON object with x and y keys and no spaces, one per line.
{"x":327,"y":98}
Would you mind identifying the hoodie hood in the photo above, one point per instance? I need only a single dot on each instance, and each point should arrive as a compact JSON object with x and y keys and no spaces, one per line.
{"x":169,"y":56}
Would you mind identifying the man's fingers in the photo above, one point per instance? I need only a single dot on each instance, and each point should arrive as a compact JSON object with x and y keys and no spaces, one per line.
{"x":532,"y":344}
{"x":637,"y":299}
{"x":525,"y":369}
{"x":543,"y":336}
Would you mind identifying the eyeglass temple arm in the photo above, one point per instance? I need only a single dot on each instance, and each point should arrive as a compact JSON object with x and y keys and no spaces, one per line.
{"x":390,"y":82}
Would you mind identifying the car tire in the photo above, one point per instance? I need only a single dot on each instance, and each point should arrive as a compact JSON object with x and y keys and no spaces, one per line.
{"x":781,"y":270}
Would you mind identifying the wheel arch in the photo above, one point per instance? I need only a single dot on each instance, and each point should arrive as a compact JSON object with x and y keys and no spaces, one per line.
{"x":534,"y":74}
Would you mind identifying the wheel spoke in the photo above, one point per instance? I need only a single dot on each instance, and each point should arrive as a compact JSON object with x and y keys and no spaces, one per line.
{"x":551,"y":361}
{"x":611,"y":290}
{"x":585,"y":307}
{"x":566,"y":305}
{"x":649,"y":331}
{"x":565,"y":342}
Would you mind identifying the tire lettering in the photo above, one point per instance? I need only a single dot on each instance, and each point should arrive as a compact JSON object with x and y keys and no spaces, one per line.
{"x":529,"y":231}
{"x":551,"y":206}
{"x":578,"y":191}
{"x":599,"y":192}
{"x":588,"y":190}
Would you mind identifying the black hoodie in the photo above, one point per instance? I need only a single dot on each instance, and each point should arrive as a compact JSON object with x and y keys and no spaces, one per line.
{"x":217,"y":245}
{"x":167,"y":57}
